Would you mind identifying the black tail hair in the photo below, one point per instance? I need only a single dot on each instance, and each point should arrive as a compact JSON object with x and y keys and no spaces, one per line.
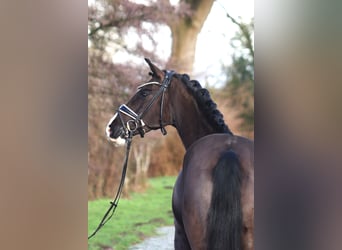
{"x":225,"y":214}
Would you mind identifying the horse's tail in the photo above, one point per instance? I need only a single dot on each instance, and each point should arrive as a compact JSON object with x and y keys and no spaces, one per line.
{"x":225,"y":215}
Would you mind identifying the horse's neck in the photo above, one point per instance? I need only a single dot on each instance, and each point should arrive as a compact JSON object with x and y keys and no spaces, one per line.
{"x":191,"y":123}
{"x":191,"y":132}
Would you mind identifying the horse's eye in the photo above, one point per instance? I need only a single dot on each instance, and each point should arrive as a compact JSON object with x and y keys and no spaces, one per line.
{"x":144,"y":92}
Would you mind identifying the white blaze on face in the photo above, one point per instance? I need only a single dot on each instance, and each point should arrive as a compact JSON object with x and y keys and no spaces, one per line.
{"x":117,"y":141}
{"x":108,"y":126}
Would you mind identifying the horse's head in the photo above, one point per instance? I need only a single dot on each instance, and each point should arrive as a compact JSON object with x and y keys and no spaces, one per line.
{"x":147,"y":110}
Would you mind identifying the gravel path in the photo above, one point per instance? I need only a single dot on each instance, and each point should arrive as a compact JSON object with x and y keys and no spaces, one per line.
{"x":162,"y":242}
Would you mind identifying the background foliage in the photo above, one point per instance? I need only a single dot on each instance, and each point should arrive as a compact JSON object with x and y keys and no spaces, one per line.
{"x":120,"y":34}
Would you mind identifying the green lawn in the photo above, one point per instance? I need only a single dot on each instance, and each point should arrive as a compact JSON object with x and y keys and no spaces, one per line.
{"x":135,"y":218}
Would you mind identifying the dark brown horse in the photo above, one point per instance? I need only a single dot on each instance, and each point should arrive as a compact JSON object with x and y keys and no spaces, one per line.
{"x":213,"y":198}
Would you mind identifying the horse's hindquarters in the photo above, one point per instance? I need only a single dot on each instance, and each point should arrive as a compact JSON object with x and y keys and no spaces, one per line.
{"x":197,"y":186}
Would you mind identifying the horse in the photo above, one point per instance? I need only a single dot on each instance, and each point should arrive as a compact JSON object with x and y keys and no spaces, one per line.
{"x":213,"y":197}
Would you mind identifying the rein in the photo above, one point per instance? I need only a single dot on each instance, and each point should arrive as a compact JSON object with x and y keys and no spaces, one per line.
{"x":130,"y":127}
{"x":113,"y":204}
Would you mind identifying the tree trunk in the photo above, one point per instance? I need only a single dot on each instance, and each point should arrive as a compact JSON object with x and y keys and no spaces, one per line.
{"x":142,"y":155}
{"x":184,"y":35}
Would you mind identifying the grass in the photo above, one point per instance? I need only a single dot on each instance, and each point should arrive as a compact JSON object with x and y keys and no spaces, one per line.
{"x":135,"y":218}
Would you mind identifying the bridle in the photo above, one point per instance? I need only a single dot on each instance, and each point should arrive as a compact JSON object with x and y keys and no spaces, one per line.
{"x":136,"y":122}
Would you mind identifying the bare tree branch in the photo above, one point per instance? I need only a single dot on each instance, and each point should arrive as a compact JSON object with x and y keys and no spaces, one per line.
{"x":244,"y":30}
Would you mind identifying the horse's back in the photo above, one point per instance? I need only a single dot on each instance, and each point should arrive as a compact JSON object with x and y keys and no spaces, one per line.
{"x":196,"y":185}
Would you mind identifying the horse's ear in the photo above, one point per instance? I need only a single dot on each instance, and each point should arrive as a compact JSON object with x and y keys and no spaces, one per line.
{"x":155,"y":70}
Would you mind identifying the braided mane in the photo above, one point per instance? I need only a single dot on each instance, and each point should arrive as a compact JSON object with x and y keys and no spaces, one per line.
{"x":206,"y":104}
